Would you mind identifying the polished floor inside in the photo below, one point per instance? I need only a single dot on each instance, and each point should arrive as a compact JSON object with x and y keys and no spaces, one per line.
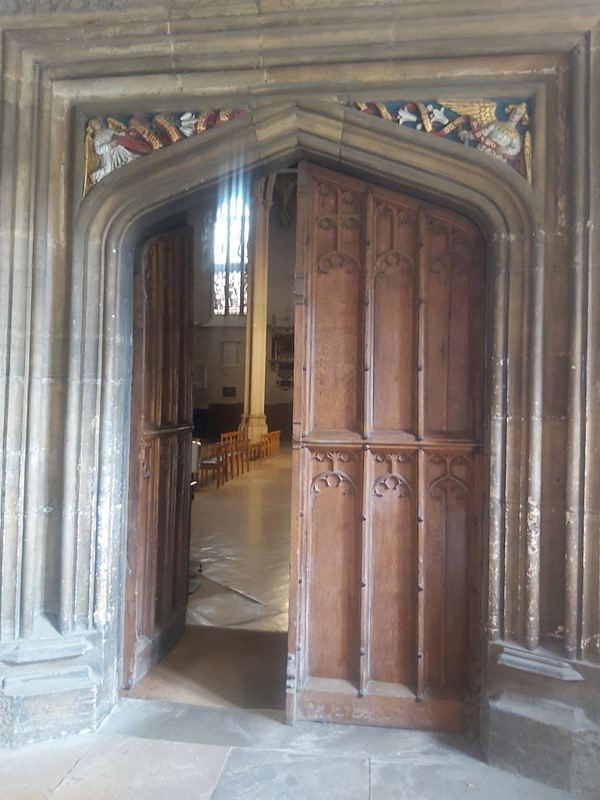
{"x":233,"y":652}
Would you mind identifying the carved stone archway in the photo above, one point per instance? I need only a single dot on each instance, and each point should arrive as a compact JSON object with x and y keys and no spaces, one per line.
{"x":116,"y":214}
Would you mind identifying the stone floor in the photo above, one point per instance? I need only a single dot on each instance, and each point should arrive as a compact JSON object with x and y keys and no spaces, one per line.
{"x":207,"y":722}
{"x":150,"y":750}
{"x":241,"y":536}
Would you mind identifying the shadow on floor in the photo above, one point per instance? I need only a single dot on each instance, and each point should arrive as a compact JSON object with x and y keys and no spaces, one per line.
{"x":220,"y":667}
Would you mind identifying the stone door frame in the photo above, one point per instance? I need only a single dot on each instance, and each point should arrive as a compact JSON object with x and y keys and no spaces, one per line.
{"x":115,"y":216}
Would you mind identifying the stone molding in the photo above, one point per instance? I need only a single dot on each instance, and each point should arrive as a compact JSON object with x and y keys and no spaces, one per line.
{"x":538,"y":663}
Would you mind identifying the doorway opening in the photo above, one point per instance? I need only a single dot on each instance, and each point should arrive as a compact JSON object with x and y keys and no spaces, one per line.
{"x":386,"y":554}
{"x":230,"y":645}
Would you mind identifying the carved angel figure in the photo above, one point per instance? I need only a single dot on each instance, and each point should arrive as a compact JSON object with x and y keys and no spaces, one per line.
{"x":499,"y":138}
{"x":474,"y":122}
{"x":108,"y":147}
{"x":187,"y":123}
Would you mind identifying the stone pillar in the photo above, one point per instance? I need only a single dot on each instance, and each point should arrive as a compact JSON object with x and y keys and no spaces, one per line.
{"x":254,"y":421}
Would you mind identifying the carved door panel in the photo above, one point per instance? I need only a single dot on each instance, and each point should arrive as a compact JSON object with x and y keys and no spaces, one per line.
{"x":385,"y":623}
{"x":159,"y":485}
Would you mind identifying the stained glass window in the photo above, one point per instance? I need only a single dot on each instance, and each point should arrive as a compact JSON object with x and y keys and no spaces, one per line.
{"x":230,"y":290}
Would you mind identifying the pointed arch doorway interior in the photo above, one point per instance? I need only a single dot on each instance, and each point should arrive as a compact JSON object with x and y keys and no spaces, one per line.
{"x":385,"y":612}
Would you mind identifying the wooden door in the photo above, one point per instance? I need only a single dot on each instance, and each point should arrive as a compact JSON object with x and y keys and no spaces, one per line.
{"x":161,"y":435}
{"x":385,"y":625}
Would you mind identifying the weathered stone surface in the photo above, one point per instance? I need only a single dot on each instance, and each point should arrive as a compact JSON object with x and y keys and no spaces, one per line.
{"x":55,"y":6}
{"x":52,"y":762}
{"x":146,"y":768}
{"x":585,"y":765}
{"x":548,"y":741}
{"x":30,"y":716}
{"x":254,"y":775}
{"x":451,"y":779}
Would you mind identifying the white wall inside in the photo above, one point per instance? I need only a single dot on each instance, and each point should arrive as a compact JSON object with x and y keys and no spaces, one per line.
{"x":219,"y":344}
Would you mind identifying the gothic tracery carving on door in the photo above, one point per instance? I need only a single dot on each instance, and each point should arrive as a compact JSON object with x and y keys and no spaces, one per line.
{"x":388,"y":533}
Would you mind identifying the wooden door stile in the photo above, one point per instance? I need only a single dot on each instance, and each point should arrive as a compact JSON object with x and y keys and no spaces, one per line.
{"x":159,"y":494}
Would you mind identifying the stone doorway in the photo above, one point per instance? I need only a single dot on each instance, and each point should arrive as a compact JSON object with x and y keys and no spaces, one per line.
{"x":480,"y":195}
{"x":455,"y":723}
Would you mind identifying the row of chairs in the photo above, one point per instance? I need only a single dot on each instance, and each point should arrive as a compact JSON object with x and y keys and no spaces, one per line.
{"x":232,"y":456}
{"x":269,"y":444}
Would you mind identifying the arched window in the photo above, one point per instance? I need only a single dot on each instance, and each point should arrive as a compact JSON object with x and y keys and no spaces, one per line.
{"x":230,"y":255}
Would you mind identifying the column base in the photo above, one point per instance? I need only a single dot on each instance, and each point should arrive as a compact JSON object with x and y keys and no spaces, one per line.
{"x":544,"y":740}
{"x":540,"y":717}
{"x":49,"y":704}
{"x":254,"y":426}
{"x":54,"y":687}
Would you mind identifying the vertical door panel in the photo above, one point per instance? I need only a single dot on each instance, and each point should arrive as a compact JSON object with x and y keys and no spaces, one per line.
{"x":336,"y":289}
{"x":159,"y":500}
{"x":148,"y":335}
{"x":166,"y":500}
{"x":392,"y":563}
{"x":181,"y":555}
{"x":393,"y":284}
{"x":447,"y":543}
{"x":170,"y":331}
{"x":148,"y":480}
{"x":453,"y":347}
{"x":335,"y":343}
{"x":184,"y":309}
{"x":333,"y":565}
{"x":386,"y":621}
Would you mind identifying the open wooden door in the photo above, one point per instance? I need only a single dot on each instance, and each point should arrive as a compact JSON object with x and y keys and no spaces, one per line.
{"x":161,"y":434}
{"x":385,"y":625}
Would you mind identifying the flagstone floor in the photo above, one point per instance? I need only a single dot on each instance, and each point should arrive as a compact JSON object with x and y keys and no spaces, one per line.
{"x":151,"y":750}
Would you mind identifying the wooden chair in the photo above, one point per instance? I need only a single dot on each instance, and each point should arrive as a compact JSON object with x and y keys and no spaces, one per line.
{"x":230,"y":437}
{"x":214,"y":464}
{"x":232,"y":458}
{"x":230,"y":440}
{"x":275,"y":442}
{"x":264,"y":446}
{"x":244,"y":454}
{"x":254,"y":451}
{"x":195,"y":466}
{"x":240,"y":452}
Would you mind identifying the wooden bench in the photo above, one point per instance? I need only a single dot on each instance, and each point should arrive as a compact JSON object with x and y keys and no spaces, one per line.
{"x":238,"y":451}
{"x":270,"y":444}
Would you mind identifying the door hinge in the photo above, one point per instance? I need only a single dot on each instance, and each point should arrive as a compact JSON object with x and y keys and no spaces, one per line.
{"x":290,"y":677}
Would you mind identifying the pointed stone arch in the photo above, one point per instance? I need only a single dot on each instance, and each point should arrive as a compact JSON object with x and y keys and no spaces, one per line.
{"x":116,"y":214}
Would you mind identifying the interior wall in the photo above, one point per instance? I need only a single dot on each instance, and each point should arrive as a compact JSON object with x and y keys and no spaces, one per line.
{"x":219,"y":345}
